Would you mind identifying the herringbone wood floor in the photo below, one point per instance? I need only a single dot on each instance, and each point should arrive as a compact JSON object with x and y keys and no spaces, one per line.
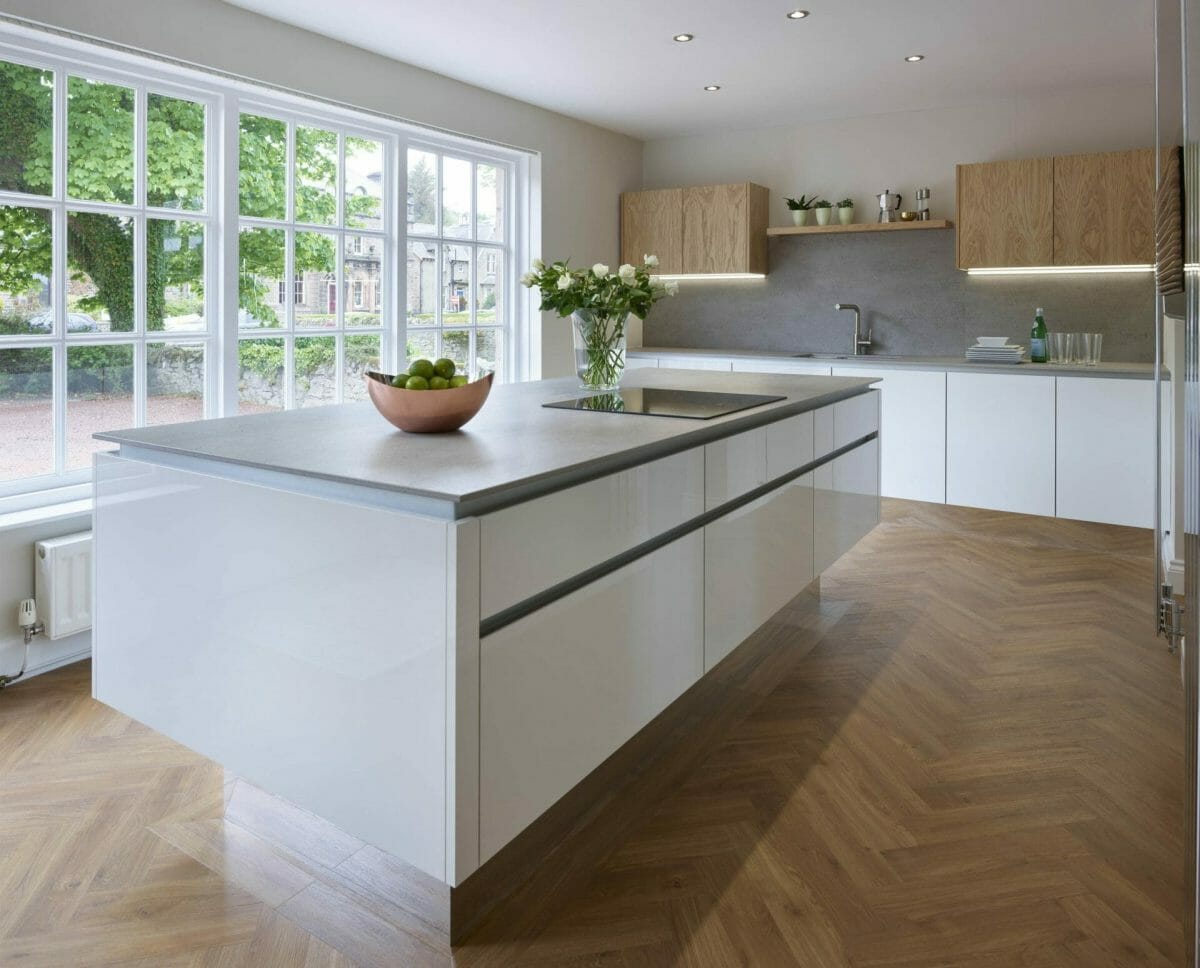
{"x":966,"y":754}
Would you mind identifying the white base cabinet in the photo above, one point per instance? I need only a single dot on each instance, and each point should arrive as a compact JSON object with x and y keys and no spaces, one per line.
{"x":912,"y":458}
{"x":565,"y":686}
{"x":1105,"y":451}
{"x":756,"y":559}
{"x":1000,"y":442}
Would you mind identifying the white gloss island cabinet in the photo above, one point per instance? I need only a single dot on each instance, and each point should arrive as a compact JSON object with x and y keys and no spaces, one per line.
{"x":1041,"y":441}
{"x":429,"y":640}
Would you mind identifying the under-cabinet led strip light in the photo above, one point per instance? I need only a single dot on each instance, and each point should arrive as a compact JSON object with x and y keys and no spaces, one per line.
{"x":678,"y":276}
{"x":1057,"y":270}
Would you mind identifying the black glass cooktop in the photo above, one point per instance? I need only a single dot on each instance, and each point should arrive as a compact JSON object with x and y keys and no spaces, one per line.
{"x":658,"y":402}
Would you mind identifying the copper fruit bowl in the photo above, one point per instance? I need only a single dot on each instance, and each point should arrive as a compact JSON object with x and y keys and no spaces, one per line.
{"x":427,"y":411}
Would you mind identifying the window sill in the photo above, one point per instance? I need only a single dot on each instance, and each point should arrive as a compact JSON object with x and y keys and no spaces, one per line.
{"x":44,"y":515}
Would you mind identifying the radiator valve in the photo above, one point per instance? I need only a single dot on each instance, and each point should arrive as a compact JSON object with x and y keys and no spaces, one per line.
{"x":27,"y":619}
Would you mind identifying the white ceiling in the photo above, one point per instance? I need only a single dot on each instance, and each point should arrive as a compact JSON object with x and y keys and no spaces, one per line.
{"x":614,"y":63}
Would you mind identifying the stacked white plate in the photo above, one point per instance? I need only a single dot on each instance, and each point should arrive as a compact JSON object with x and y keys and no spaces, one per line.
{"x":995,"y":349}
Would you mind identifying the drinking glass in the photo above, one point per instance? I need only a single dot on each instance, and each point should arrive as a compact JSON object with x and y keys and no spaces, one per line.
{"x":1074,"y":348}
{"x":1056,"y":345}
{"x":1091,"y":347}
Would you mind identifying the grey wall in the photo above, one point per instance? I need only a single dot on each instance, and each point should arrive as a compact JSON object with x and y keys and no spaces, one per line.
{"x":913,"y":298}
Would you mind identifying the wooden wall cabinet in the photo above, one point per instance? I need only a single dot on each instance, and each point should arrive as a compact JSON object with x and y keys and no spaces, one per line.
{"x":1005,"y":213}
{"x":701,"y":230}
{"x":652,"y":223}
{"x":1070,"y":210}
{"x":1104,"y":209}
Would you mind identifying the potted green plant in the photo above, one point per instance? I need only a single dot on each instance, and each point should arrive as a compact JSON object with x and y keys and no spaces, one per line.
{"x":800,"y":208}
{"x":846,"y":211}
{"x":824,"y":210}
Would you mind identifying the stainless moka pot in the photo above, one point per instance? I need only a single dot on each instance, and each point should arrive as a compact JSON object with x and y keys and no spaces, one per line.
{"x":889,"y":205}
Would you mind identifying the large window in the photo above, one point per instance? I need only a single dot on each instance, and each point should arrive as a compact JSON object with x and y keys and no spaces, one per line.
{"x":131,"y":295}
{"x":456,"y":243}
{"x":104,"y":219}
{"x":312,"y":202}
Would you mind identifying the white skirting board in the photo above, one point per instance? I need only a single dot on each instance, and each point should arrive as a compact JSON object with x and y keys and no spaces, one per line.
{"x":44,"y":655}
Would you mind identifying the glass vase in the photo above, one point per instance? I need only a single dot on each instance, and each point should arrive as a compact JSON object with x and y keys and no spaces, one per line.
{"x":599,"y":348}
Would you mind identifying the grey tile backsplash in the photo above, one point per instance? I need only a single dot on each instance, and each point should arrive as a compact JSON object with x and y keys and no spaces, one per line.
{"x":911,"y":295}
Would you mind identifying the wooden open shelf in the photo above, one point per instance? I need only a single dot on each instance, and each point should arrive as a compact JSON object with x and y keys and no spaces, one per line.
{"x":933,"y":223}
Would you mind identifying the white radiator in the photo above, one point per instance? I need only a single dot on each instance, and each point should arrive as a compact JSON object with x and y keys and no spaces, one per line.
{"x":63,"y":583}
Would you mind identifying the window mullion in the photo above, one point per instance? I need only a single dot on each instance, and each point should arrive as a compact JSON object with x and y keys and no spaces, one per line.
{"x":141,"y":325}
{"x":227,"y":270}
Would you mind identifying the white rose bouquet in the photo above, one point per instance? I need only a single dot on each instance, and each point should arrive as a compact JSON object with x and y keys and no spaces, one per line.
{"x":599,"y":303}
{"x":631,"y":289}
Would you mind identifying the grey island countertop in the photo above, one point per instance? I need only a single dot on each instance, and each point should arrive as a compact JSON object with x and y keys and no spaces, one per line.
{"x":1111,"y":370}
{"x":513,"y":450}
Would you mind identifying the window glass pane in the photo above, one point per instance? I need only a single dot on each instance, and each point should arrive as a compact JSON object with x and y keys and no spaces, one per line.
{"x":362,"y":354}
{"x":174,"y":276}
{"x":489,"y":203}
{"x":260,"y":375}
{"x":489,"y":287}
{"x":421,"y":269}
{"x":422,"y":192}
{"x":364,"y":262}
{"x":316,"y":371}
{"x":100,"y":262}
{"x":99,"y":141}
{"x":421,"y":344}
{"x":488,"y":346}
{"x":99,"y":397}
{"x":456,"y":285}
{"x":456,"y":198}
{"x":262,"y":167}
{"x":316,"y":175}
{"x":174,"y":382}
{"x":26,"y":129}
{"x":261,"y":299}
{"x":26,"y":413}
{"x":314,"y":288}
{"x":364,"y":184}
{"x":175,"y":155}
{"x":25,"y":266}
{"x":456,"y":345}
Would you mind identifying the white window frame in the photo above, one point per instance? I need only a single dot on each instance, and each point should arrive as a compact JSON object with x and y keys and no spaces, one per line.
{"x":517,"y":355}
{"x":225,"y":98}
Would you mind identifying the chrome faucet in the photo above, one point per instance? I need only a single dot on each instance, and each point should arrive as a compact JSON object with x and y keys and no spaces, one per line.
{"x":862,"y":344}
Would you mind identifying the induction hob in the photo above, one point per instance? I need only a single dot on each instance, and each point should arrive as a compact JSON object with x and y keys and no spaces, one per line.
{"x":658,"y":402}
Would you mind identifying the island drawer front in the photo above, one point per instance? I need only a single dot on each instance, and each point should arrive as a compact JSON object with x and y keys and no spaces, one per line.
{"x":530,"y":547}
{"x":565,"y":686}
{"x":756,"y":560}
{"x":734,"y":466}
{"x":855,"y":418}
{"x":845,"y":502}
{"x":790,"y":444}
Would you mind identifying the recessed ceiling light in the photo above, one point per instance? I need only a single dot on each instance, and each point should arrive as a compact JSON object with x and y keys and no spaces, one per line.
{"x":712,"y":87}
{"x":797,"y":15}
{"x":683,"y":38}
{"x":914,"y":58}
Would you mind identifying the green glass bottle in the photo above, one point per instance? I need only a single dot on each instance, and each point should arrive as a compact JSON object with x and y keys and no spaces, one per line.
{"x":1037,"y":339}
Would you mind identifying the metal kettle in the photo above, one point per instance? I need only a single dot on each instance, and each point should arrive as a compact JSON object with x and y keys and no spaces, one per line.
{"x":889,"y":205}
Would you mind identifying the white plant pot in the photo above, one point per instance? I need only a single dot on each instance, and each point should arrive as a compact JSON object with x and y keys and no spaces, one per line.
{"x":800,"y":216}
{"x":846,"y":215}
{"x":823,"y":215}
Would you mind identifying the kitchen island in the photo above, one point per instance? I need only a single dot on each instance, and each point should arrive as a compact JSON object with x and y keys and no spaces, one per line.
{"x":430,"y":639}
